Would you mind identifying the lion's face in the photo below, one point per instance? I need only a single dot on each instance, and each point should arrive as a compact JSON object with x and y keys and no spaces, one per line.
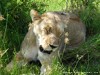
{"x":46,"y":30}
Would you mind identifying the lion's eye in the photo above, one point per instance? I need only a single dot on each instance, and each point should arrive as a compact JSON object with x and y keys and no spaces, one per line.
{"x":52,"y":46}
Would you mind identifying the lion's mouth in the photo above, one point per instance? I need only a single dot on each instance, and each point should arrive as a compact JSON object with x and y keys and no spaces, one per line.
{"x":45,"y":51}
{"x":52,"y":46}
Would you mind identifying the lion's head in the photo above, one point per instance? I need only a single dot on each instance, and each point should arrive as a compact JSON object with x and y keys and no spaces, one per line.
{"x":46,"y":29}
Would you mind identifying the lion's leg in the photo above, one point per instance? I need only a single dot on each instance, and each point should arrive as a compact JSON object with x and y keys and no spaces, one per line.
{"x":18,"y":61}
{"x":46,"y":61}
{"x":22,"y":58}
{"x":46,"y":69}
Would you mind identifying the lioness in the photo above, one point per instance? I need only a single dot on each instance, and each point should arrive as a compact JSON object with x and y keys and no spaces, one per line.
{"x":47,"y":35}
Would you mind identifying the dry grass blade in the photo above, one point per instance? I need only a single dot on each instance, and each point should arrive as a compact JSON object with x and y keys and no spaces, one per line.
{"x":2,"y":53}
{"x":1,"y":18}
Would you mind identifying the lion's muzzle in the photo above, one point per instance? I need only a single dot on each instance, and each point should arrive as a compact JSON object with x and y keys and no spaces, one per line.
{"x":47,"y":51}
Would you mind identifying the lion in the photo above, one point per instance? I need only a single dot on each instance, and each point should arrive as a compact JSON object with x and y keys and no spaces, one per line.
{"x":47,"y":36}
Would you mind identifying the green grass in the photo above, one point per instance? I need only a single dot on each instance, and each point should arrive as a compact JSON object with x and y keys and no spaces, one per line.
{"x":84,"y":60}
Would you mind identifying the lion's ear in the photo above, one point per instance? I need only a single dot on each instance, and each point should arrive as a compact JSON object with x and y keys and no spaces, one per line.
{"x":34,"y":15}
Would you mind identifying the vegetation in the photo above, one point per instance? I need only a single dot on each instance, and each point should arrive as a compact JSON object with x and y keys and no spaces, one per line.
{"x":84,"y":60}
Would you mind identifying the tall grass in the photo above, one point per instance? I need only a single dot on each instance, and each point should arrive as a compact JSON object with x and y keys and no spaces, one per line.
{"x":89,"y":12}
{"x":15,"y":25}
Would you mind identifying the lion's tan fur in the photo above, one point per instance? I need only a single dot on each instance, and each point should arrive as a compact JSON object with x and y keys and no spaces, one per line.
{"x":51,"y":28}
